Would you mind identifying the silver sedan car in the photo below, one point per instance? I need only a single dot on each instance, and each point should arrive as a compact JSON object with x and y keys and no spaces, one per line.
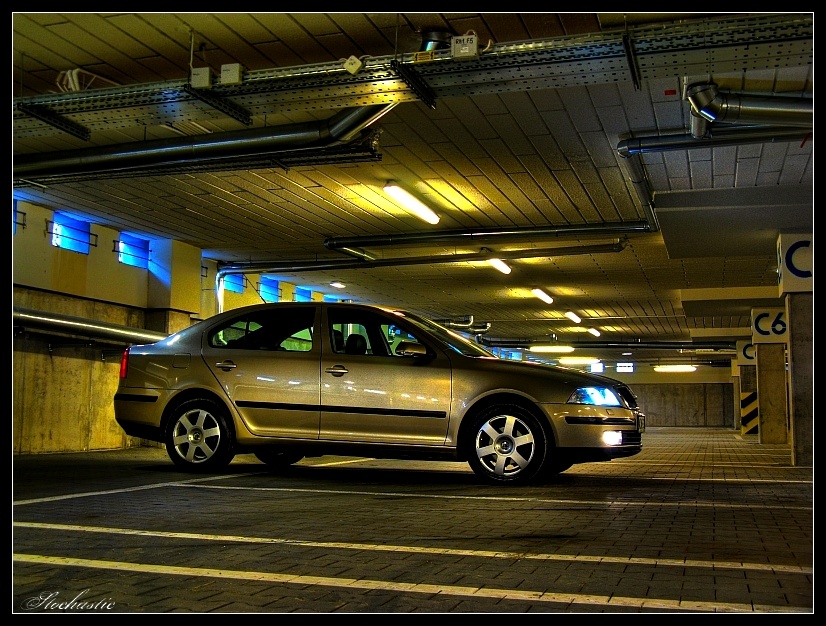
{"x":285,"y":381}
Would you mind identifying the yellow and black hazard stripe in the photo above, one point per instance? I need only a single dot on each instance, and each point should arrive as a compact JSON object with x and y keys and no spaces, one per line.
{"x":749,"y":413}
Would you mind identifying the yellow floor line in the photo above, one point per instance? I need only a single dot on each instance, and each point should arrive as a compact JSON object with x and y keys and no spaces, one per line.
{"x":377,"y":585}
{"x":791,"y":569}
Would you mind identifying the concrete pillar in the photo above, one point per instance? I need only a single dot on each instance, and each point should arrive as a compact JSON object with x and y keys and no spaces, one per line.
{"x":174,"y":285}
{"x":795,"y":266}
{"x":771,"y":392}
{"x":799,"y":309}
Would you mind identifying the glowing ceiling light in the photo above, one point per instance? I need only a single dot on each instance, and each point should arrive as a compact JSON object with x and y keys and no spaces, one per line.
{"x":539,"y":293}
{"x":411,"y":203}
{"x":594,"y":332}
{"x":578,"y":360}
{"x":337,"y":284}
{"x":576,"y":319}
{"x":500,"y":265}
{"x":552,"y":348}
{"x":675,"y":368}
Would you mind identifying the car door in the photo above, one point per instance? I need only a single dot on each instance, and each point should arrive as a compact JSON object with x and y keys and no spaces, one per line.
{"x":267,"y":361}
{"x":372,"y":393}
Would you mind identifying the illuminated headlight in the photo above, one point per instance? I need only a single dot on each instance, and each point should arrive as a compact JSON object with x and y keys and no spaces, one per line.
{"x":599,"y":396}
{"x":612,"y":438}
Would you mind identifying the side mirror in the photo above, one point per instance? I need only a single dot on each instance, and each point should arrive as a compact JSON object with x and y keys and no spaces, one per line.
{"x":410,"y":348}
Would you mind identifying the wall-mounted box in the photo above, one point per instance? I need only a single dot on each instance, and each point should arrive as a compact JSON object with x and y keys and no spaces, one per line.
{"x":465,"y":47}
{"x":231,"y":74}
{"x":200,"y":78}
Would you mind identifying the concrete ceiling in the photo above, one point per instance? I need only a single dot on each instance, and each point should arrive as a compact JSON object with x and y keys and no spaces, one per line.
{"x":518,"y":150}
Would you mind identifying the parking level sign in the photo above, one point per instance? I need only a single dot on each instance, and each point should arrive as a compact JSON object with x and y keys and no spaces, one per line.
{"x":769,"y":326}
{"x":745,"y":353}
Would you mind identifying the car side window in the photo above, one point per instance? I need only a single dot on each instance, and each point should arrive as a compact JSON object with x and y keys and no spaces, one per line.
{"x":284,"y":330}
{"x":356,"y":332}
{"x":396,"y":335}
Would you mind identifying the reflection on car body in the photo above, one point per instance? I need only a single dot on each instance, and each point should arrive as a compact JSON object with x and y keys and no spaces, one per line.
{"x":289,"y":380}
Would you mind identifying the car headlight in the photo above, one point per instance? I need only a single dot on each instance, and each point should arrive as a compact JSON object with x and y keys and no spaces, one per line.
{"x":599,"y":396}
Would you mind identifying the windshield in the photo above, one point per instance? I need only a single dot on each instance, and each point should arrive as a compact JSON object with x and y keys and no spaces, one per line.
{"x":449,"y":338}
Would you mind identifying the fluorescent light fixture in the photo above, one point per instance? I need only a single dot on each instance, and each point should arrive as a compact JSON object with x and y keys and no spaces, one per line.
{"x":576,"y":319}
{"x":627,"y":353}
{"x":412,"y":204}
{"x":578,"y":360}
{"x":500,"y":265}
{"x":625,"y":367}
{"x":337,"y":284}
{"x":594,"y":332}
{"x":539,"y":293}
{"x":675,"y":368}
{"x":552,"y":348}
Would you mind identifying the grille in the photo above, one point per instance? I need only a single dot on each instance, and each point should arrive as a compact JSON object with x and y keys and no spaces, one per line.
{"x":631,"y":438}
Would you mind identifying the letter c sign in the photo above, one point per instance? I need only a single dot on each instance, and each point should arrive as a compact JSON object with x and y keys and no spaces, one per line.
{"x":745,"y":353}
{"x":769,"y":326}
{"x":794,"y":263}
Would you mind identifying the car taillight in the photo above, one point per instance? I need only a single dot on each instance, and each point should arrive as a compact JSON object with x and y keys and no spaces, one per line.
{"x":124,"y":363}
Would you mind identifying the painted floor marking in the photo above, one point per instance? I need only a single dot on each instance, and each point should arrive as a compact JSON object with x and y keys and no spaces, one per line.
{"x":791,"y":569}
{"x":199,"y":483}
{"x":527,"y":499}
{"x":449,"y":590}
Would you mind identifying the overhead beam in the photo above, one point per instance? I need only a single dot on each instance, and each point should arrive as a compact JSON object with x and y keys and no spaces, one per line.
{"x":728,"y":301}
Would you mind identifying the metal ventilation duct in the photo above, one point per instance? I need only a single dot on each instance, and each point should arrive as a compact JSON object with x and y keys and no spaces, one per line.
{"x":215,"y":150}
{"x":746,"y":120}
{"x":435,"y":39}
{"x":708,"y":103}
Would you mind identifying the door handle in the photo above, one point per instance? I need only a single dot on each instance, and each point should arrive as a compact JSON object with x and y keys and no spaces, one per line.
{"x":226,"y":365}
{"x":337,"y":370}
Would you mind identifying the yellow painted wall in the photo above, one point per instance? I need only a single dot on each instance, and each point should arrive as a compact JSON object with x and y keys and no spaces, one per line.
{"x":174,"y":276}
{"x":99,"y":276}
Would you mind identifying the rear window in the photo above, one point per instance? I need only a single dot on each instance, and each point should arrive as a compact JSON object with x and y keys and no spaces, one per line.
{"x":286,"y":330}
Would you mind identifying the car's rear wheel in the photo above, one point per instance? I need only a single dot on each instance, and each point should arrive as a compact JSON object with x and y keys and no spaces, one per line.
{"x":507,"y":444}
{"x":198,"y":436}
{"x":278,"y":458}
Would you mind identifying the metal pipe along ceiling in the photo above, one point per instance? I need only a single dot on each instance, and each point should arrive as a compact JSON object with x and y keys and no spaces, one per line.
{"x":351,"y":245}
{"x":341,"y":128}
{"x":707,"y":102}
{"x":482,"y":255}
{"x":525,"y":343}
{"x":762,"y":120}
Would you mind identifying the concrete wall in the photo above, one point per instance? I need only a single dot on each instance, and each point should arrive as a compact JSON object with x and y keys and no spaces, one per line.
{"x":63,"y":387}
{"x":687,"y":404}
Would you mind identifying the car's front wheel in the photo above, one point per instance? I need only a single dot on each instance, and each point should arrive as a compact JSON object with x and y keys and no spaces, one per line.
{"x":507,"y":445}
{"x":198,"y":436}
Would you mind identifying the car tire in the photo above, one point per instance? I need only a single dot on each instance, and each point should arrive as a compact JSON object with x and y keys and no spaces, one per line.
{"x":506,"y":444}
{"x":554,"y":467}
{"x":277,"y":459}
{"x":198,"y":436}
